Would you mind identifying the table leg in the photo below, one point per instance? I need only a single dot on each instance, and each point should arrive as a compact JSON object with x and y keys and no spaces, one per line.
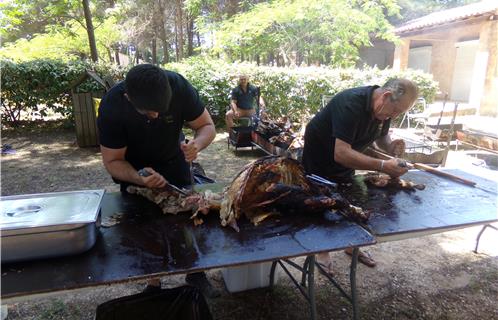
{"x":272,"y":273}
{"x":311,"y":286}
{"x":480,"y":234}
{"x":352,"y":279}
{"x":304,"y":274}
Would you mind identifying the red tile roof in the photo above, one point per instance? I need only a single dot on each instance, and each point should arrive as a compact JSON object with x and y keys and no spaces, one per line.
{"x":446,"y":16}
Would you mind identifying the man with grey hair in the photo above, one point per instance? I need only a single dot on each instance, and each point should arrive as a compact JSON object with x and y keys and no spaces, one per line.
{"x":353,"y":120}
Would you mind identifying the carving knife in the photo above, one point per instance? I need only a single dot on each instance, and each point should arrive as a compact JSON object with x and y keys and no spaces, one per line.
{"x":144,"y":173}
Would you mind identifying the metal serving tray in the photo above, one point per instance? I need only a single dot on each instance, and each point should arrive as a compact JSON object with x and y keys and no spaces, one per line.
{"x":46,"y":225}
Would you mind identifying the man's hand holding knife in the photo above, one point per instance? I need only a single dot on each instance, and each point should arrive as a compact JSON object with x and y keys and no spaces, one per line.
{"x":395,"y":167}
{"x":151,"y":178}
{"x":190,"y":149}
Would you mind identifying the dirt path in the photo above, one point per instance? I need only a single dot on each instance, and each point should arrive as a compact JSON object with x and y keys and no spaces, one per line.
{"x":433,"y":277}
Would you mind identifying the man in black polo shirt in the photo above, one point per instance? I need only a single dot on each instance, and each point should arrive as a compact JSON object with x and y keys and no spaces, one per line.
{"x":353,"y":120}
{"x":243,"y":101}
{"x":140,"y":126}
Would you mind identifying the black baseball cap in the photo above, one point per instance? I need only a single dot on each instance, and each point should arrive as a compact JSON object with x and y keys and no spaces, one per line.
{"x":148,"y":88}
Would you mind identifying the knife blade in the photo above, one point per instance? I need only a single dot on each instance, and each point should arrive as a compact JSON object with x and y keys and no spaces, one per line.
{"x":144,"y":173}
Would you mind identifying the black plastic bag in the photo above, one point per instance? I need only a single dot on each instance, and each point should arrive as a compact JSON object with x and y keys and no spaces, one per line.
{"x":182,"y":303}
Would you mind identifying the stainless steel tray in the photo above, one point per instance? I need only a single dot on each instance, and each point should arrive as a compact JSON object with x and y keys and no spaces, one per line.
{"x":46,"y":225}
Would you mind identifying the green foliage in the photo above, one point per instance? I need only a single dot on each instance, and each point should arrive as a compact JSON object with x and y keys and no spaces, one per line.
{"x":39,"y":88}
{"x":322,"y":31}
{"x":288,"y":92}
{"x":68,"y":42}
{"x":24,"y":18}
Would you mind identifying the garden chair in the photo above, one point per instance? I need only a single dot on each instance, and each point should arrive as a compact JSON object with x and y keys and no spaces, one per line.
{"x":415,"y":115}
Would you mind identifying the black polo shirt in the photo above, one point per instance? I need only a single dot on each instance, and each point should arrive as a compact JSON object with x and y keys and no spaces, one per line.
{"x":349,"y":117}
{"x":150,"y":142}
{"x":245,"y":100}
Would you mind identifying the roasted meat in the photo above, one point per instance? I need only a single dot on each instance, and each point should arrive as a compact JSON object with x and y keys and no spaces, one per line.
{"x":274,"y":185}
{"x":385,"y":181}
{"x":174,"y":202}
{"x":268,"y":186}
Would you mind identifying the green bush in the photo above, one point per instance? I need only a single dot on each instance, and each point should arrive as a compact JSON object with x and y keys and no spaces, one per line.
{"x":39,"y":88}
{"x":293,"y":92}
{"x":42,"y":87}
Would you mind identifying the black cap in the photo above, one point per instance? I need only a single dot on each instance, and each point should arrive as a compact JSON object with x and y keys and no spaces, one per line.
{"x":148,"y":88}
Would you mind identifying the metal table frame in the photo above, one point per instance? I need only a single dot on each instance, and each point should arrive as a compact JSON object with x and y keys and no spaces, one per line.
{"x":307,"y":284}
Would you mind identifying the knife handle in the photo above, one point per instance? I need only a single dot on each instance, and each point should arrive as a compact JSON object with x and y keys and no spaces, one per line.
{"x":143,"y":173}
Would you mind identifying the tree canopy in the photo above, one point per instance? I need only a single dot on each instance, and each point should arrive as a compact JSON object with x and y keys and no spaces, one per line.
{"x":282,"y":32}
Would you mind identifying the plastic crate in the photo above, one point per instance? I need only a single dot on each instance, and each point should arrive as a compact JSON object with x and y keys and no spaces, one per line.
{"x":249,"y":276}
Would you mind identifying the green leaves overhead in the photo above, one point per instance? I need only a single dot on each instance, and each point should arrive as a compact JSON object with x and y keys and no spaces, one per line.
{"x":322,"y":31}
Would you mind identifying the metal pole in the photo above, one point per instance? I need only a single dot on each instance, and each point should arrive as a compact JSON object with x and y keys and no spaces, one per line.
{"x":272,"y":273}
{"x":352,"y":279}
{"x":311,"y":286}
{"x":304,"y":275}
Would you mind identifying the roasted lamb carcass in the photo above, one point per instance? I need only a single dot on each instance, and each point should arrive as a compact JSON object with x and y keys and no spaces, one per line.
{"x":275,"y":184}
{"x":385,"y":181}
{"x":171,"y":201}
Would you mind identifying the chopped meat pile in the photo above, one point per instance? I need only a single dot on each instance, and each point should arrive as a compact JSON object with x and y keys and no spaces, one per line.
{"x":385,"y":181}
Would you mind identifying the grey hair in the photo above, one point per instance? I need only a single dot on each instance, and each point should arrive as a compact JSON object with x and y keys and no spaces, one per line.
{"x":400,"y":87}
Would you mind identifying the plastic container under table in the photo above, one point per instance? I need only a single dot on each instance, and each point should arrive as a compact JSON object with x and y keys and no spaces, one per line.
{"x":246,"y":277}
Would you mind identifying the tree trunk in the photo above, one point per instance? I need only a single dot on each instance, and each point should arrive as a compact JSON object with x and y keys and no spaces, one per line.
{"x":177,"y":51}
{"x":116,"y":54}
{"x":198,"y":39}
{"x":165,"y":51}
{"x":109,"y":54}
{"x":190,"y":36}
{"x":90,"y":31}
{"x":162,"y":33}
{"x":299,"y":58}
{"x":137,"y":57}
{"x":271,"y":59}
{"x":179,"y":30}
{"x":154,"y":50}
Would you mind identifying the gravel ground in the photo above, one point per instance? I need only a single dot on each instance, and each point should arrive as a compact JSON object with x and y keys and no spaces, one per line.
{"x":432,"y":277}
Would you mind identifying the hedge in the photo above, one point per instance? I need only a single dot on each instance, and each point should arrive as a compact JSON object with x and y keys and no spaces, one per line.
{"x":293,"y":92}
{"x":39,"y":88}
{"x":42,"y":87}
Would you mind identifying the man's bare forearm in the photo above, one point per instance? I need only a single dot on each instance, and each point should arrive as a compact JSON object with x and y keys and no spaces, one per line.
{"x":345,"y":155}
{"x":353,"y":159}
{"x":233,"y":105}
{"x":123,"y":170}
{"x":205,"y":135}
